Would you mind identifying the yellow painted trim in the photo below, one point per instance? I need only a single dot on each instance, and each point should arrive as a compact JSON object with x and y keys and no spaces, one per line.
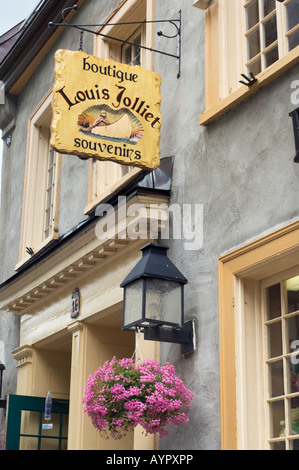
{"x":243,"y":93}
{"x":267,"y":255}
{"x":211,"y":56}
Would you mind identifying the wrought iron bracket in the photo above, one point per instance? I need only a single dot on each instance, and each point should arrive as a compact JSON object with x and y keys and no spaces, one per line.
{"x":184,"y":336}
{"x":177,"y":23}
{"x":249,"y":81}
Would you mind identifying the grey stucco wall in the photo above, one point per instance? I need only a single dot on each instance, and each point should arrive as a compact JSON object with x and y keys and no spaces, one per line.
{"x":182,"y":102}
{"x":240,"y":169}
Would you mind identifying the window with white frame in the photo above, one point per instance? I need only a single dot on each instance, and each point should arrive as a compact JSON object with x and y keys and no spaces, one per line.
{"x":131,"y":53}
{"x":40,"y":201}
{"x":106,"y":177}
{"x":50,"y":191}
{"x":271,"y":31}
{"x":259,"y":342}
{"x":281,"y":360}
{"x":254,"y":36}
{"x":267,"y":362}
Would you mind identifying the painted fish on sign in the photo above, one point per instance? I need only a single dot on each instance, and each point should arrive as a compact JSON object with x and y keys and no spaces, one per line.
{"x":106,"y":110}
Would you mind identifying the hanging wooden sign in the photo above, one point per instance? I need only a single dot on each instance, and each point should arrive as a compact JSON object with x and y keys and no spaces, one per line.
{"x":106,"y":110}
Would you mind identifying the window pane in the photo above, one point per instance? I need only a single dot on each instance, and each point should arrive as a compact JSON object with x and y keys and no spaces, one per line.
{"x":277,"y":420}
{"x":276,"y":379}
{"x":270,"y":31}
{"x":252,"y":14}
{"x":293,"y":378}
{"x":49,"y":444}
{"x":51,"y":157}
{"x":128,"y":54}
{"x":292,"y":329}
{"x":292,"y":10}
{"x":50,"y":176}
{"x":294,"y":444}
{"x":271,"y":56}
{"x":273,"y":302}
{"x":278,"y":445}
{"x":255,"y":67}
{"x":275,"y":340}
{"x":269,"y":6}
{"x":28,"y":443}
{"x":131,"y":53}
{"x":30,"y":422}
{"x":294,"y":418}
{"x":136,"y":58}
{"x":292,"y":286}
{"x":253,"y":43}
{"x":293,"y":39}
{"x":65,"y":425}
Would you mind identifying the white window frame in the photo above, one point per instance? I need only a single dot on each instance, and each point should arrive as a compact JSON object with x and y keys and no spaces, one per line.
{"x":253,"y":409}
{"x":35,"y":184}
{"x":241,"y":271}
{"x":139,"y":31}
{"x":282,"y":33}
{"x":286,"y":355}
{"x":226,"y":58}
{"x":232,"y":18}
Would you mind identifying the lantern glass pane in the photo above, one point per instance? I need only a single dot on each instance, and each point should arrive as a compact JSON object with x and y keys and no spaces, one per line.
{"x":133,"y":302}
{"x":163,"y":301}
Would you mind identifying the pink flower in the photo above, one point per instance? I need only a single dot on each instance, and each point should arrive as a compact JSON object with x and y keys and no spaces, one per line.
{"x":121,"y":394}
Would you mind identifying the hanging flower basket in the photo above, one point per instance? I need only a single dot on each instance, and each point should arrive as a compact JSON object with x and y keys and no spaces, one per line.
{"x":122,"y":394}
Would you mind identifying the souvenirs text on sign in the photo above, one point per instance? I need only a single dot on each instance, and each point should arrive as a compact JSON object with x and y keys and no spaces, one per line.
{"x":106,"y":110}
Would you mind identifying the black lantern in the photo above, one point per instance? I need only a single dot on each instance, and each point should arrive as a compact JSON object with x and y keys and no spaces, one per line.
{"x":2,"y":368}
{"x":154,"y":299}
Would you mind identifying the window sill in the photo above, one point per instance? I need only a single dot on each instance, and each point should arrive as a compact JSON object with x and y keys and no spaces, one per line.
{"x":244,"y":92}
{"x":26,"y":258}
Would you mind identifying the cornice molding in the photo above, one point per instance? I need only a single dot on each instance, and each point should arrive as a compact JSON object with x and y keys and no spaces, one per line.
{"x":73,"y":260}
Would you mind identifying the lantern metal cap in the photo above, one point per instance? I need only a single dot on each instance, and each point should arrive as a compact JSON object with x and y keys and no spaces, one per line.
{"x":156,"y":264}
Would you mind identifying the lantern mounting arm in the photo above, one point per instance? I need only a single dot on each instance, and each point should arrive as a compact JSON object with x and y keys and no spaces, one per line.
{"x":85,"y":28}
{"x":184,"y":336}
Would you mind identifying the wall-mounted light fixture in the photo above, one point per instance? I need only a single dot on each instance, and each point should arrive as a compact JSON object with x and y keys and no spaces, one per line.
{"x":2,"y":368}
{"x":154,"y":299}
{"x":203,"y":4}
{"x":295,"y":116}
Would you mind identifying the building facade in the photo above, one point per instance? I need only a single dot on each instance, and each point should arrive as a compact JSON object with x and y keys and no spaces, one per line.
{"x":226,"y":204}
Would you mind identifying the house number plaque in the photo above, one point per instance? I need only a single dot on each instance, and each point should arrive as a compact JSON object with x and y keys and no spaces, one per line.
{"x":75,"y":303}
